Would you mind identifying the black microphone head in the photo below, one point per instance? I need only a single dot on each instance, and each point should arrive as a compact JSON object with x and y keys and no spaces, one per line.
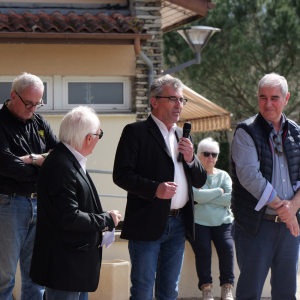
{"x":187,"y":126}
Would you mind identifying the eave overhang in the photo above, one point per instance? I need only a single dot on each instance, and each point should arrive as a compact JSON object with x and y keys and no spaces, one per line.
{"x":176,"y":13}
{"x":73,"y":38}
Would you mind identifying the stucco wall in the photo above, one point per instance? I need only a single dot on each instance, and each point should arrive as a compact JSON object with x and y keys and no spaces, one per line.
{"x":77,"y":60}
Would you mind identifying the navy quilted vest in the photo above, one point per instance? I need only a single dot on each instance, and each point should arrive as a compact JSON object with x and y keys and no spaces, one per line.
{"x":242,"y":202}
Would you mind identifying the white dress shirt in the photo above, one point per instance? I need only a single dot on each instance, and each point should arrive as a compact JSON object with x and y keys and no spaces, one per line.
{"x":81,"y":159}
{"x":181,"y":197}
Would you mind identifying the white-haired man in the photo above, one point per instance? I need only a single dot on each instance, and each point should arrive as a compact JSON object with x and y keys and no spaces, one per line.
{"x":160,"y":201}
{"x":67,"y":248}
{"x":265,"y":195}
{"x":25,"y":138}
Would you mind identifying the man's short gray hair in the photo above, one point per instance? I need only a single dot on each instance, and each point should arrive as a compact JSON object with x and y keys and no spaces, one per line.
{"x":24,"y":80}
{"x":77,"y":124}
{"x":156,"y":88}
{"x":273,"y":80}
{"x":208,"y":144}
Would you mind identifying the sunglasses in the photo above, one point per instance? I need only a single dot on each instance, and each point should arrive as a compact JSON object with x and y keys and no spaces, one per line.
{"x":207,"y":154}
{"x":99,"y":135}
{"x":278,"y":148}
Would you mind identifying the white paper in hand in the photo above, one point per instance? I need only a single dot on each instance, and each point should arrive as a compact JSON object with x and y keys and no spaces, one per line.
{"x":108,"y":238}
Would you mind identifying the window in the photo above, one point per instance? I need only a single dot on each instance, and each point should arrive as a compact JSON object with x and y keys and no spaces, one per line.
{"x":63,"y":93}
{"x":5,"y":88}
{"x":102,"y":93}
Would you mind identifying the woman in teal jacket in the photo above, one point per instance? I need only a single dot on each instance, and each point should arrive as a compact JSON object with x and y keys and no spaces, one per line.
{"x":213,"y":220}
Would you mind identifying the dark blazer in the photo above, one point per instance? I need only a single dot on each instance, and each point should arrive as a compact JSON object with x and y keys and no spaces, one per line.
{"x":69,"y":228}
{"x":143,"y":162}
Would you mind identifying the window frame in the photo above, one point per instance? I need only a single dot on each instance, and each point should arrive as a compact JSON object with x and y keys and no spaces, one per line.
{"x":97,"y":79}
{"x":47,"y":79}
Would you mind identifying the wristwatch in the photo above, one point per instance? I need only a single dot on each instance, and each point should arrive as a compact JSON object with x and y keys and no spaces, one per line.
{"x":34,"y":158}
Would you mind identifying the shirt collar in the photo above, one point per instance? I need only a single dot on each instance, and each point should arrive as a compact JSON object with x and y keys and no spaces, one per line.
{"x":282,"y":120}
{"x":162,"y":126}
{"x":80,"y":158}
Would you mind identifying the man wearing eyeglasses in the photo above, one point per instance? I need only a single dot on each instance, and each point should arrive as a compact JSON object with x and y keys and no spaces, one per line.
{"x":67,"y":250}
{"x":160,"y":201}
{"x":25,"y":140}
{"x":265,"y":195}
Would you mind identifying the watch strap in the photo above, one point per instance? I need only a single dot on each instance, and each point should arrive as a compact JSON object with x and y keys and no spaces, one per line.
{"x":34,"y":158}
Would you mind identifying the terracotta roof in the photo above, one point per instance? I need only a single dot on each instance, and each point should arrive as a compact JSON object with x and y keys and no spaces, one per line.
{"x":56,"y":22}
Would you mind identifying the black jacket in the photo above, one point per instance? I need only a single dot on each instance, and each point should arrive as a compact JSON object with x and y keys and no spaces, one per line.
{"x":18,"y":139}
{"x":142,"y":162}
{"x":69,"y":227}
{"x":243,"y":203}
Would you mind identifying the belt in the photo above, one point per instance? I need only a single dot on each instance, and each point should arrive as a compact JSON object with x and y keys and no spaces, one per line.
{"x":272,"y":218}
{"x":32,"y":195}
{"x":174,"y":212}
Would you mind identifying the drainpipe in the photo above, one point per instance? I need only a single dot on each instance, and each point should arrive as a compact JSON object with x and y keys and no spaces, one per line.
{"x":148,"y":62}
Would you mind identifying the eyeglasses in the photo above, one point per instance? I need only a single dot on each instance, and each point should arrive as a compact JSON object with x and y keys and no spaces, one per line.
{"x":30,"y":105}
{"x":100,"y":135}
{"x":174,"y":99}
{"x":207,"y":154}
{"x":278,"y":148}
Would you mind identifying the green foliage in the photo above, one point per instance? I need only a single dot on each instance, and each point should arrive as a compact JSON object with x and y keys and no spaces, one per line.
{"x":223,"y":162}
{"x":257,"y":37}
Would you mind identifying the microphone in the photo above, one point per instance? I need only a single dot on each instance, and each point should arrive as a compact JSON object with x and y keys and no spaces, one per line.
{"x":186,"y":131}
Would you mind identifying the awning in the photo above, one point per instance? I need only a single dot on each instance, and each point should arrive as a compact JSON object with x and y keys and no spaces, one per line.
{"x":176,"y":13}
{"x":203,"y":114}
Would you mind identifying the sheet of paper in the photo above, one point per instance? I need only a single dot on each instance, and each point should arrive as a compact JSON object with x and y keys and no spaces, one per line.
{"x":108,"y":238}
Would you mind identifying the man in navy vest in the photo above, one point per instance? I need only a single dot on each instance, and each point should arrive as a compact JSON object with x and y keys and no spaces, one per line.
{"x":265,"y":195}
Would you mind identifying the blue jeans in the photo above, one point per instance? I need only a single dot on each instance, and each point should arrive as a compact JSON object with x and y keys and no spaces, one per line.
{"x":274,"y":247}
{"x":223,"y":241}
{"x":163,"y":257}
{"x":64,"y":295}
{"x":17,"y":231}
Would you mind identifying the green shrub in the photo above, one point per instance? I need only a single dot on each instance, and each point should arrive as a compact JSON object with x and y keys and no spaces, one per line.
{"x":223,"y":162}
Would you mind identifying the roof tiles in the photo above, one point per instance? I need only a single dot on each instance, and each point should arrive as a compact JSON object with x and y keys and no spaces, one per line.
{"x":56,"y":22}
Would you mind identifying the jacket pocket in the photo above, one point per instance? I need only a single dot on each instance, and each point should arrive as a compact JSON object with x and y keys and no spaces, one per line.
{"x":77,"y":247}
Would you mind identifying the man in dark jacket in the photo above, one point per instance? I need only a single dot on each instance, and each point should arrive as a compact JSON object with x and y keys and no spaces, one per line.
{"x":25,"y":140}
{"x":160,"y":201}
{"x":67,"y":248}
{"x":265,"y":195}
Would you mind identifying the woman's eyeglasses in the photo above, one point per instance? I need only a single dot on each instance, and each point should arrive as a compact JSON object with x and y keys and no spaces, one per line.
{"x":207,"y":154}
{"x":278,"y":148}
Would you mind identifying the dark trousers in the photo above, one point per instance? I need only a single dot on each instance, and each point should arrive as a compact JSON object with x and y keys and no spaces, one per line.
{"x":274,"y":247}
{"x":223,"y":241}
